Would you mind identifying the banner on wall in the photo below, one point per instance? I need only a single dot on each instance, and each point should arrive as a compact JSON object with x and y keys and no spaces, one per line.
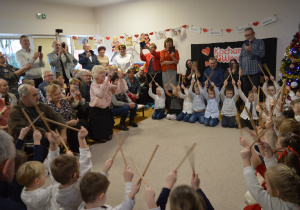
{"x":160,"y":35}
{"x":225,"y":51}
{"x":176,"y":31}
{"x":82,"y":40}
{"x":196,"y":29}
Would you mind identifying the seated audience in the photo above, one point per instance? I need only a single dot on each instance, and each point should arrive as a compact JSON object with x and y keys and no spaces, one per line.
{"x":31,"y":82}
{"x":11,"y":74}
{"x":134,"y":88}
{"x":88,"y":59}
{"x":27,"y":56}
{"x":85,"y":84}
{"x":124,"y":61}
{"x":215,"y":74}
{"x":142,"y":77}
{"x":121,"y":104}
{"x":101,"y":119}
{"x":102,"y":58}
{"x":48,"y":78}
{"x":61,"y":82}
{"x":17,"y":120}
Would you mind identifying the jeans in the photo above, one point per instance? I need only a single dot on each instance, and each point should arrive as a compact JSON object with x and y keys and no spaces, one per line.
{"x":183,"y":116}
{"x":212,"y":122}
{"x":228,"y":122}
{"x":120,"y":110}
{"x":197,"y":116}
{"x":158,"y":114}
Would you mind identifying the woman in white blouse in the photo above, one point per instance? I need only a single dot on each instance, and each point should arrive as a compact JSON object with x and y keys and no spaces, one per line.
{"x":124,"y":61}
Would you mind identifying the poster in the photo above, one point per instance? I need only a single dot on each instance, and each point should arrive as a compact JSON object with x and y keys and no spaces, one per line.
{"x":98,"y":40}
{"x":176,"y":31}
{"x":129,"y":42}
{"x":82,"y":40}
{"x":160,"y":35}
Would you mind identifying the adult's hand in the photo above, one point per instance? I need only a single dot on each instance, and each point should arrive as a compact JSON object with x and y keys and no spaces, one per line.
{"x":41,"y":56}
{"x":72,"y":122}
{"x":36,"y":55}
{"x":131,"y":105}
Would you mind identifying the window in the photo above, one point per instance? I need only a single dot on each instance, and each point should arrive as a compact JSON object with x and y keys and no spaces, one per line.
{"x":9,"y":47}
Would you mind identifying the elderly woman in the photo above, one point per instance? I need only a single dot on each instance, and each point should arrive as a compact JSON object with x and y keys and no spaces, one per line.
{"x":59,"y":104}
{"x":134,"y":88}
{"x":11,"y":74}
{"x":124,"y":61}
{"x":103,"y":59}
{"x":101,"y":118}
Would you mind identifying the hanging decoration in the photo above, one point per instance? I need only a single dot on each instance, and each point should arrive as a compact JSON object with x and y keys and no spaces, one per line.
{"x":129,"y":42}
{"x":184,"y":26}
{"x":107,"y":38}
{"x":136,"y":35}
{"x":205,"y":30}
{"x":228,"y":30}
{"x":122,"y":37}
{"x":167,"y":30}
{"x":151,"y":33}
{"x":74,"y":37}
{"x":255,"y":23}
{"x":91,"y":38}
{"x":176,"y":31}
{"x":160,"y":35}
{"x":115,"y":44}
{"x":195,"y":29}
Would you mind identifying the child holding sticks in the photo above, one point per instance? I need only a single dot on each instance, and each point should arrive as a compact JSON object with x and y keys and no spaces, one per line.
{"x":175,"y":106}
{"x":198,"y":102}
{"x":270,"y":89}
{"x":250,"y":103}
{"x":68,"y":173}
{"x":32,"y":175}
{"x":212,"y":96}
{"x":187,"y":110}
{"x":159,"y":101}
{"x":93,"y":189}
{"x":229,"y":95}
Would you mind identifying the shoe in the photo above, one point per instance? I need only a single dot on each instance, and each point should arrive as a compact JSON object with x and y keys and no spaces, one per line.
{"x":124,"y":128}
{"x":168,"y":117}
{"x":173,"y":117}
{"x":133,"y":124}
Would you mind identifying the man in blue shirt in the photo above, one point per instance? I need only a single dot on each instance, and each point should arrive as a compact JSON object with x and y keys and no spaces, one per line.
{"x":215,"y":74}
{"x":251,"y":55}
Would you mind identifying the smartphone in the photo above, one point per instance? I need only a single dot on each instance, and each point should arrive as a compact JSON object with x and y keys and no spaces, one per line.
{"x":247,"y":42}
{"x":92,"y":52}
{"x":6,"y":99}
{"x":67,"y":91}
{"x":63,"y":45}
{"x":172,"y":49}
{"x":40,"y":49}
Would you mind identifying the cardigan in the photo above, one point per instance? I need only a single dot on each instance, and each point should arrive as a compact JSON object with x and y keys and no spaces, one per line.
{"x":165,"y":56}
{"x":156,"y":60}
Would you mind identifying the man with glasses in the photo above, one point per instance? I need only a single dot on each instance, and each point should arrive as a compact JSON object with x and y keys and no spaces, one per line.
{"x":48,"y":77}
{"x":88,"y":59}
{"x":86,"y":84}
{"x":253,"y":50}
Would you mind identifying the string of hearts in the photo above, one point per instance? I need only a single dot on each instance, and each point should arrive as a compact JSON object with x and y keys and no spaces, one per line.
{"x":205,"y":30}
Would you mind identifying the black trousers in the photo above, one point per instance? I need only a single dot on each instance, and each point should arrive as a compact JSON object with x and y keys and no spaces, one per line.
{"x":246,"y":84}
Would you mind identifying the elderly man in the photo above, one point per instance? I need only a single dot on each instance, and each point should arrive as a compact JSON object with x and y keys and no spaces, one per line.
{"x":16,"y":120}
{"x":215,"y":73}
{"x":48,"y":77}
{"x":87,"y":59}
{"x":253,"y":50}
{"x":27,"y":56}
{"x":59,"y":60}
{"x":86,"y":84}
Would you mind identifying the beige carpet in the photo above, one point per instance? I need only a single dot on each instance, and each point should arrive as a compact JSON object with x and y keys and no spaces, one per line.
{"x":217,"y":160}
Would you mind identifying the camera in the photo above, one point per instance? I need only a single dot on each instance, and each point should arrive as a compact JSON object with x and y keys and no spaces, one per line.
{"x":63,"y":45}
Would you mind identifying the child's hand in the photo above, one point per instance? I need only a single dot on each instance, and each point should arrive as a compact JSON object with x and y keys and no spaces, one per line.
{"x":254,"y":89}
{"x":37,"y":136}
{"x":195,"y":182}
{"x":266,"y":78}
{"x":265,"y":147}
{"x":246,"y":154}
{"x":225,"y":83}
{"x":171,"y":179}
{"x":244,"y":142}
{"x":53,"y":138}
{"x":182,"y":86}
{"x":69,"y":152}
{"x":82,"y":133}
{"x":272,"y":78}
{"x":269,"y":124}
{"x":157,"y":85}
{"x":23,"y":133}
{"x":288,"y":88}
{"x":178,"y":87}
{"x":239,"y":83}
{"x":206,"y":83}
{"x":150,"y":85}
{"x":213,"y":84}
{"x":198,"y":83}
{"x":150,"y":197}
{"x":258,"y":108}
{"x":108,"y":165}
{"x":128,"y":174}
{"x":166,"y":86}
{"x":192,"y":82}
{"x":134,"y":190}
{"x":233,"y":82}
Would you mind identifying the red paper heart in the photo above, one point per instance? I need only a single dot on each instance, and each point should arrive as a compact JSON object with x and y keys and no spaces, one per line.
{"x":219,"y":59}
{"x":228,"y":30}
{"x":136,"y":35}
{"x":122,"y":37}
{"x":91,"y":38}
{"x":205,"y":30}
{"x":255,"y":23}
{"x":206,"y":51}
{"x":206,"y":63}
{"x":107,"y":37}
{"x":167,"y":29}
{"x":74,"y":37}
{"x":184,"y":26}
{"x":151,"y":33}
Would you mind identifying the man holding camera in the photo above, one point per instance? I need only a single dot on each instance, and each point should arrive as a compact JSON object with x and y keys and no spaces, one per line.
{"x":253,"y":50}
{"x":88,"y":59}
{"x":59,"y":60}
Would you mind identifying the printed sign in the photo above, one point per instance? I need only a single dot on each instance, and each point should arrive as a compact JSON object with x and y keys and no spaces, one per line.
{"x":241,"y":29}
{"x":268,"y":20}
{"x":196,"y":29}
{"x":216,"y":32}
{"x":224,"y":55}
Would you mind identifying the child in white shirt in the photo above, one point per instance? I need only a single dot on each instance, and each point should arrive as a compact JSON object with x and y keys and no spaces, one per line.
{"x":198,"y":102}
{"x":187,"y":110}
{"x":271,"y":89}
{"x":159,"y":102}
{"x":212,"y":96}
{"x":93,"y":189}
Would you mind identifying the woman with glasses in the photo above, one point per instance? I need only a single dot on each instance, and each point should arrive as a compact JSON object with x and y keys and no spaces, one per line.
{"x":190,"y":73}
{"x":234,"y":70}
{"x":11,"y":74}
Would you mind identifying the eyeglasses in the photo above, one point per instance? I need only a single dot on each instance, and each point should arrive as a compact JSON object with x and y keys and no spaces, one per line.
{"x":50,"y":75}
{"x":87,"y":75}
{"x":247,"y":35}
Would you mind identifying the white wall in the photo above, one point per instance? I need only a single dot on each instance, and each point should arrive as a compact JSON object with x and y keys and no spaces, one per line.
{"x":147,"y":16}
{"x":19,"y":17}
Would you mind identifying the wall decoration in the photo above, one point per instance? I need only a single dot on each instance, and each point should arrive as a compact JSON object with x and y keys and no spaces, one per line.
{"x":82,"y":40}
{"x":129,"y":42}
{"x":160,"y":35}
{"x":216,"y":32}
{"x":268,"y":20}
{"x":98,"y":40}
{"x":241,"y":29}
{"x":196,"y":29}
{"x":115,"y":44}
{"x":176,"y":31}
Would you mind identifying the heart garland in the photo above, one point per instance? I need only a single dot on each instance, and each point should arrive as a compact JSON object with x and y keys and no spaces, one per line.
{"x":136,"y":35}
{"x":228,"y":30}
{"x":74,"y":37}
{"x":151,"y":33}
{"x":184,"y":26}
{"x":167,"y":29}
{"x":255,"y":23}
{"x":91,"y":38}
{"x":205,"y":30}
{"x":122,"y":37}
{"x":108,"y":38}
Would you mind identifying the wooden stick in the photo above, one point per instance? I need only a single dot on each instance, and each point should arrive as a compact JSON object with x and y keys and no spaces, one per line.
{"x":28,"y":119}
{"x":192,"y":160}
{"x":61,"y":140}
{"x":211,"y":73}
{"x":190,"y":150}
{"x":170,"y":80}
{"x":42,"y":116}
{"x":239,"y":76}
{"x":207,"y":77}
{"x":266,"y":94}
{"x":120,"y":148}
{"x":251,"y":120}
{"x":258,"y":93}
{"x":228,"y":77}
{"x":138,"y":170}
{"x":231,"y":75}
{"x":262,"y":70}
{"x":276,"y":99}
{"x":267,"y":68}
{"x":182,"y":79}
{"x":61,"y":124}
{"x":258,"y":138}
{"x":239,"y":124}
{"x":36,"y":119}
{"x":250,"y":80}
{"x":179,"y":79}
{"x":150,"y":160}
{"x":123,"y":140}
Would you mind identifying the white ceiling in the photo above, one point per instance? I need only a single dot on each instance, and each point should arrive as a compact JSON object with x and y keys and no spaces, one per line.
{"x":83,"y":3}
